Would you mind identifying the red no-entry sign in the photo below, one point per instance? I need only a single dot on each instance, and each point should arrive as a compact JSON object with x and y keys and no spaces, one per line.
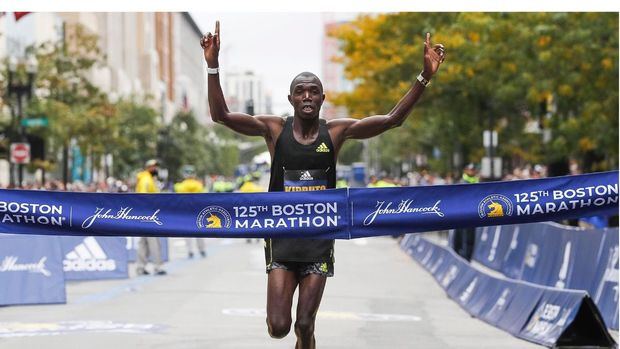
{"x":20,"y":153}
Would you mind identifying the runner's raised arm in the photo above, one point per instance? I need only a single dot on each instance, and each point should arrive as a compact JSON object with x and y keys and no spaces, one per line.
{"x":347,"y":128}
{"x":261,"y":125}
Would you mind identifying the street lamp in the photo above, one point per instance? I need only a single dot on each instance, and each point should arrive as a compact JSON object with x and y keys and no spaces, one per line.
{"x":20,"y":89}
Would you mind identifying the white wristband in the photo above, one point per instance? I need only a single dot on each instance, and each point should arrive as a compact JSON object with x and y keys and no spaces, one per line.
{"x":423,"y":81}
{"x":213,"y":71}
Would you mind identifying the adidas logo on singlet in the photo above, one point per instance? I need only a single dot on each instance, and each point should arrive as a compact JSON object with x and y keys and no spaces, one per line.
{"x":322,"y":148}
{"x":305,"y":176}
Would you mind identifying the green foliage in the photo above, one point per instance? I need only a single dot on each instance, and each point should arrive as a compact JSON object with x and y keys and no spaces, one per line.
{"x":134,"y":139}
{"x":351,"y":152}
{"x":502,"y":66}
{"x":187,"y":142}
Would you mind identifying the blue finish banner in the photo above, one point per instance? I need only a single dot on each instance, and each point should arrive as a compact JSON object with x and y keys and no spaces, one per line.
{"x":94,"y":258}
{"x":418,"y":209}
{"x":325,"y":214}
{"x":31,"y":270}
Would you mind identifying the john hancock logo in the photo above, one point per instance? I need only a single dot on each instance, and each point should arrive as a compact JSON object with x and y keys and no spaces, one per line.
{"x":495,"y":205}
{"x":213,"y":217}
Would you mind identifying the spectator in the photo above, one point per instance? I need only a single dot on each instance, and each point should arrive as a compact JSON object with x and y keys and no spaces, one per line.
{"x":149,"y":246}
{"x":191,"y":185}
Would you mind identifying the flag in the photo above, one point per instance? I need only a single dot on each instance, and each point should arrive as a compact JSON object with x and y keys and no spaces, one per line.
{"x":19,"y":15}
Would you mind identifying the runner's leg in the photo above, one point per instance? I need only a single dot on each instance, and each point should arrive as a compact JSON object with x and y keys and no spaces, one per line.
{"x":310,"y":293}
{"x":281,"y":286}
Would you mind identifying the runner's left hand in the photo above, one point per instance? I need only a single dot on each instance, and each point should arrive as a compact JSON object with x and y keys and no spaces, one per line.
{"x":434,"y":55}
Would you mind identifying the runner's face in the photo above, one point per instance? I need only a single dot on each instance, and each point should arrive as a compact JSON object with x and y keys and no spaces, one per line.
{"x":307,"y":97}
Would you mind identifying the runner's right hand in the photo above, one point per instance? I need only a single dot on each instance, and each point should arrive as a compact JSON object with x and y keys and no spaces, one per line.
{"x":211,"y":46}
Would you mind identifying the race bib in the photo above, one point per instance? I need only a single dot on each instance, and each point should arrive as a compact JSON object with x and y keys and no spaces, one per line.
{"x":305,"y":180}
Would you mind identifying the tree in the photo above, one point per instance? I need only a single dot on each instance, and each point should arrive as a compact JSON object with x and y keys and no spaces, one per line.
{"x":76,"y":109}
{"x":187,"y":142}
{"x":501,"y":68}
{"x":133,"y":136}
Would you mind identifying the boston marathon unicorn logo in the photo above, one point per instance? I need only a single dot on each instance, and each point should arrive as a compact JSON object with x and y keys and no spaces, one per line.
{"x":496,"y":210}
{"x":494,"y":206}
{"x":214,"y":222}
{"x":213,"y":217}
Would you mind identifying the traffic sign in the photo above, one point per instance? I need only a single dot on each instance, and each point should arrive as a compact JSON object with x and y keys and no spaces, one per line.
{"x":35,"y":122}
{"x":20,"y":153}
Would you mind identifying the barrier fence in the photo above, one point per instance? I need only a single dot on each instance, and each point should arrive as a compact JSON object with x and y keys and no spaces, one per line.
{"x":34,"y":269}
{"x":554,"y":255}
{"x":544,"y":315}
{"x":31,"y":270}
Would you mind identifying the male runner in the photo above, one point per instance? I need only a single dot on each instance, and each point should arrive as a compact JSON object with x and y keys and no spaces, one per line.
{"x":304,"y":150}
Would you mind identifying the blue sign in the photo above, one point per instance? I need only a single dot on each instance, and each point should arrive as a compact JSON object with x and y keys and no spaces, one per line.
{"x":325,"y":214}
{"x":93,"y":258}
{"x":605,"y":291}
{"x":431,"y":208}
{"x":544,"y":315}
{"x":559,"y":256}
{"x":555,"y":311}
{"x":31,"y":270}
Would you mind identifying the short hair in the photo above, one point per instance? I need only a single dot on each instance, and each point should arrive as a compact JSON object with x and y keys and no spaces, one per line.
{"x":303,"y":75}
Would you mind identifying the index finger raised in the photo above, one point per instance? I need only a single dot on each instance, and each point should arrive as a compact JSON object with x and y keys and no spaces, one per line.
{"x":217,"y":28}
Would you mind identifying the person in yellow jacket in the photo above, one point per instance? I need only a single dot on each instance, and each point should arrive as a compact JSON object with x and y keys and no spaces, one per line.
{"x":149,"y":246}
{"x":249,"y":186}
{"x":191,"y":184}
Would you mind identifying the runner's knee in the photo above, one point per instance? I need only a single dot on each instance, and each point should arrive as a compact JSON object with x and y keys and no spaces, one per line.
{"x":304,"y":326}
{"x":278,"y":326}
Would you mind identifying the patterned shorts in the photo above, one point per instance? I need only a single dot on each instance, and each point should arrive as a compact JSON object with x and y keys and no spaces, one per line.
{"x":302,"y":269}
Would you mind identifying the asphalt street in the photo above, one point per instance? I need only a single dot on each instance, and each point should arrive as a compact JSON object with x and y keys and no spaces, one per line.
{"x":379,"y":298}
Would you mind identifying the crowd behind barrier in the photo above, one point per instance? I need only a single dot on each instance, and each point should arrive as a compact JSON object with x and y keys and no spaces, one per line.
{"x":544,"y":315}
{"x":34,"y":269}
{"x":556,"y":255}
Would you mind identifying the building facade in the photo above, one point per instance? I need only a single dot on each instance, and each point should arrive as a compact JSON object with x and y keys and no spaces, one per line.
{"x":244,"y":93}
{"x":333,"y":78}
{"x":155,"y":55}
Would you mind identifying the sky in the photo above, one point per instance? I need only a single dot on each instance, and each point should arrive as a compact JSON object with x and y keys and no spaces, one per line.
{"x":275,"y":46}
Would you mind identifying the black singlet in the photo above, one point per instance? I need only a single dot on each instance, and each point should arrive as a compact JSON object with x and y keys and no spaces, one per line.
{"x":299,"y":167}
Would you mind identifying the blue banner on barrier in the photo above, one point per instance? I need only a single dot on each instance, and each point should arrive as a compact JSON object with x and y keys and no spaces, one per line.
{"x":539,"y":314}
{"x":31,"y":270}
{"x":579,"y":249}
{"x":516,"y":252}
{"x":539,"y":261}
{"x":554,"y":312}
{"x":559,"y":256}
{"x":482,"y":244}
{"x":93,"y":258}
{"x":605,"y":293}
{"x":327,"y":214}
{"x":521,"y":306}
{"x":492,"y":245}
